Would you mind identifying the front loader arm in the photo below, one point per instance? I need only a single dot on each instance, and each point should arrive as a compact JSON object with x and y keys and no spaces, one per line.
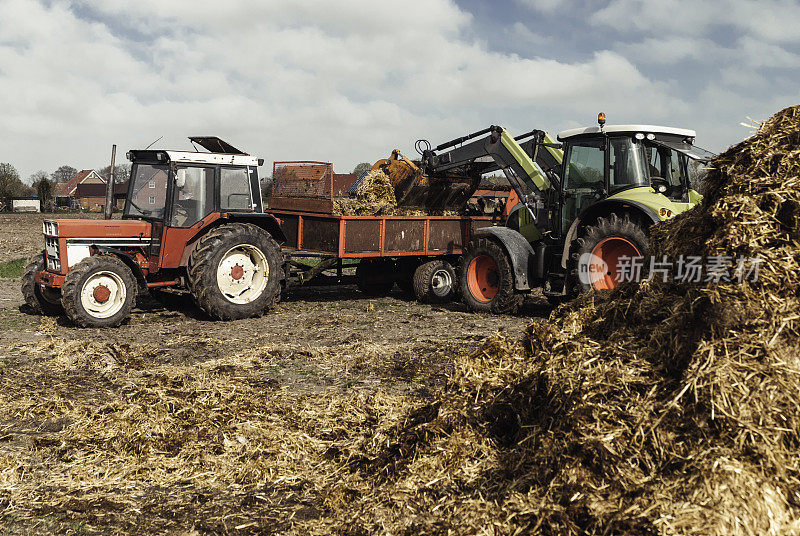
{"x":485,"y":151}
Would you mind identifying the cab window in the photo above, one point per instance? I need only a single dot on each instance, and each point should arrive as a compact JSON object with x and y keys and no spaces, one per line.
{"x":235,"y":192}
{"x":626,"y":163}
{"x":669,"y":165}
{"x":193,"y":195}
{"x":585,"y":166}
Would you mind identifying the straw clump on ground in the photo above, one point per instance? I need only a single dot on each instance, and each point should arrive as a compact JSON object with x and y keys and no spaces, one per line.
{"x":662,"y":408}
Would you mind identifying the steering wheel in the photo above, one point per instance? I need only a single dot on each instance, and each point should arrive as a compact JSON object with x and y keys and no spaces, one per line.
{"x":181,"y":211}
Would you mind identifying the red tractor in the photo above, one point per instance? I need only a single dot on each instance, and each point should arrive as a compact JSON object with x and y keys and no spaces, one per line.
{"x":192,"y":220}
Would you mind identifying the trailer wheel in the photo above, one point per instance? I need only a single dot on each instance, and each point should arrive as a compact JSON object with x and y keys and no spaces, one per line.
{"x":435,"y":282}
{"x":42,"y":300}
{"x":99,"y":292}
{"x":597,"y":258}
{"x":235,"y":271}
{"x":375,"y":277}
{"x":486,"y":278}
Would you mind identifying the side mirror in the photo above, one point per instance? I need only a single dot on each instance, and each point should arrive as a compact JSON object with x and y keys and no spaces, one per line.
{"x":180,"y":178}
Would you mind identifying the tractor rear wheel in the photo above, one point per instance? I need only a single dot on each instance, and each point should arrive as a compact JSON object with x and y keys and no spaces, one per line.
{"x":435,"y":282}
{"x":599,"y":255}
{"x":487,"y":279}
{"x":42,"y":300}
{"x":99,"y":292}
{"x":235,"y":271}
{"x":375,"y":277}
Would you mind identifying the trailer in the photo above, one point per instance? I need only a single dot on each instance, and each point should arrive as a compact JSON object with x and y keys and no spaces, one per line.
{"x":418,"y":253}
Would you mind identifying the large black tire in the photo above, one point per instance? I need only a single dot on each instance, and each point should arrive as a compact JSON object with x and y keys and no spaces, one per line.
{"x":98,"y":309}
{"x":435,"y":282}
{"x":486,"y":278}
{"x":41,"y":300}
{"x":375,"y":277}
{"x":609,"y":239}
{"x":217,"y":258}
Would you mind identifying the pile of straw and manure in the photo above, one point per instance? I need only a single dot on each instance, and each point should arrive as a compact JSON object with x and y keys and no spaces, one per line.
{"x":658,"y":408}
{"x":374,"y":196}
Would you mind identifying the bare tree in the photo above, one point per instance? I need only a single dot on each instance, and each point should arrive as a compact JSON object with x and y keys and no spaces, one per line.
{"x":63,"y":174}
{"x":121,"y":172}
{"x":361,"y":168}
{"x":10,"y":183}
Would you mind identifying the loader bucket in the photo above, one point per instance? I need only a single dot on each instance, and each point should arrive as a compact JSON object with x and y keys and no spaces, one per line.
{"x":417,"y":191}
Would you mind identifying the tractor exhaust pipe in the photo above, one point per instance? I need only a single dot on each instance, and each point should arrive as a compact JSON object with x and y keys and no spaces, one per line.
{"x":109,"y":207}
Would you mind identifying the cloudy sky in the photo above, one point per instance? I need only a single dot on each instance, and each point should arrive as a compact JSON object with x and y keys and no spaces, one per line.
{"x":349,"y":80}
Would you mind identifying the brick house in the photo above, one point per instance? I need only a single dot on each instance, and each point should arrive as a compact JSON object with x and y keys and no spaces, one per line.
{"x":67,"y":192}
{"x":92,"y":196}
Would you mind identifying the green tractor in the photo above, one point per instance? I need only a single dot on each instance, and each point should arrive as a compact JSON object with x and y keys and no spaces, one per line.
{"x":578,"y":210}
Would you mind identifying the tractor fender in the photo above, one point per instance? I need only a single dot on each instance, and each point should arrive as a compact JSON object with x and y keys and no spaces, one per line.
{"x":129,"y":261}
{"x":518,"y":249}
{"x":606,"y":206}
{"x":268,"y":222}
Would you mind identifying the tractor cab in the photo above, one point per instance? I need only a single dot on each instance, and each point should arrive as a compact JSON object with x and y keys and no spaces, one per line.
{"x":647,"y":166}
{"x":180,"y":188}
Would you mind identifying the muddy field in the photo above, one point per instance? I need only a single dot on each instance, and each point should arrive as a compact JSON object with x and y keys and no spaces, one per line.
{"x":174,"y":423}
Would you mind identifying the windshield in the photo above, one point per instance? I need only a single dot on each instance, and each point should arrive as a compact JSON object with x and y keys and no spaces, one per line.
{"x":147,"y":194}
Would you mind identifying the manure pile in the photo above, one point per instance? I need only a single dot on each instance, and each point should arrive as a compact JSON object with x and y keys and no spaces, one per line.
{"x":662,"y":408}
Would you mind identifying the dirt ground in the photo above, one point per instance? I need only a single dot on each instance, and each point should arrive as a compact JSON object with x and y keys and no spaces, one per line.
{"x":63,"y":470}
{"x":21,"y":234}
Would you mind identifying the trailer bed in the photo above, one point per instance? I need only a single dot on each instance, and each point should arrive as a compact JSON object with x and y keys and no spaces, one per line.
{"x":377,"y":236}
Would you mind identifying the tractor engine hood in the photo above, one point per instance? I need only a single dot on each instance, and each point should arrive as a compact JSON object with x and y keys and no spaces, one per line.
{"x":67,"y":242}
{"x":105,"y":232}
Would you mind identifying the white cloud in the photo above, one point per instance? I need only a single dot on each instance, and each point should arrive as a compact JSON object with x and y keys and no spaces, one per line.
{"x":312,"y":79}
{"x":769,"y":20}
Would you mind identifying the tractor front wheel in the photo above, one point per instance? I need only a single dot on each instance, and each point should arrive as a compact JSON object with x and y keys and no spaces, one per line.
{"x":40,"y":299}
{"x":599,"y":255}
{"x":487,"y":279}
{"x":99,"y":292}
{"x":235,"y":271}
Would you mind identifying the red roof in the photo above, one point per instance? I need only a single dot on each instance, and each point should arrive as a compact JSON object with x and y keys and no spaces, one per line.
{"x":69,"y":187}
{"x":342,"y":181}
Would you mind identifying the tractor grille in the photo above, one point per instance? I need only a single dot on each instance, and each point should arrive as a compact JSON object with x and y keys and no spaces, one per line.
{"x":50,"y":229}
{"x":53,"y":265}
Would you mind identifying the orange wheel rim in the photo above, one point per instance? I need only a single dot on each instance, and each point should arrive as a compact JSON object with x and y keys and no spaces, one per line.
{"x":483,"y":278}
{"x":610,"y":251}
